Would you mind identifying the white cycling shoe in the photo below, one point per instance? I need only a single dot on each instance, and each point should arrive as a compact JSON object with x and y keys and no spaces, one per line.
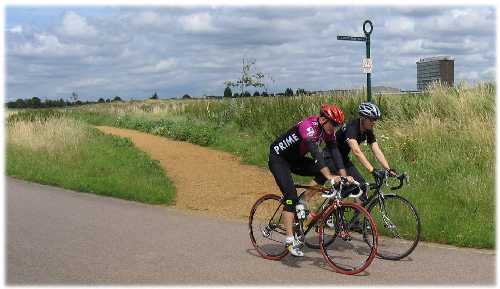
{"x":295,"y":248}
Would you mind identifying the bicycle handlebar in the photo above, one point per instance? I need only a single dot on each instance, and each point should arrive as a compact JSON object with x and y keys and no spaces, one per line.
{"x":402,"y":177}
{"x":343,"y":181}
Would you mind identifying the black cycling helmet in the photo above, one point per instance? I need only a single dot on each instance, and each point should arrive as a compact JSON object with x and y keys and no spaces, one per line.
{"x":369,"y":110}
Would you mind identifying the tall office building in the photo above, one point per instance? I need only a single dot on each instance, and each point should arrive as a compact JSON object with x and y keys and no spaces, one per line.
{"x":435,"y":69}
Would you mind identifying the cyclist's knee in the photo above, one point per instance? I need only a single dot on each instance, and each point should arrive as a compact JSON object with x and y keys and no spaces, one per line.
{"x":289,"y":204}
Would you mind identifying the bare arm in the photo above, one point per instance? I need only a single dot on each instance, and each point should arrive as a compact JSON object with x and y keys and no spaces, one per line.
{"x":356,"y":150}
{"x":379,"y":155}
{"x":328,"y":174}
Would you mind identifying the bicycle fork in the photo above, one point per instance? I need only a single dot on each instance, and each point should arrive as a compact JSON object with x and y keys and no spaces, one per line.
{"x":387,"y":221}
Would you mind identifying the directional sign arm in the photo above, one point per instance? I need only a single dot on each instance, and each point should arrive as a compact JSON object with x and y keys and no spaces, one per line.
{"x":351,"y":38}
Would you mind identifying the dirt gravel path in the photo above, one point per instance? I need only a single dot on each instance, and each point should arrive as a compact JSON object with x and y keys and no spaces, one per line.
{"x":206,"y":180}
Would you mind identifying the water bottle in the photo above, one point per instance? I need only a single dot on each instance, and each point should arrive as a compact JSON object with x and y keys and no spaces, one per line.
{"x":301,"y":208}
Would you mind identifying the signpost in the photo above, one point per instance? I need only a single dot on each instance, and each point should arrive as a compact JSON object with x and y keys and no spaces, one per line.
{"x":367,"y":62}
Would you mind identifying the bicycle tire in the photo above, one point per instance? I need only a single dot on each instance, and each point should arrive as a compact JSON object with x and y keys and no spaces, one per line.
{"x":390,"y":246}
{"x":340,"y":245}
{"x":265,"y":219}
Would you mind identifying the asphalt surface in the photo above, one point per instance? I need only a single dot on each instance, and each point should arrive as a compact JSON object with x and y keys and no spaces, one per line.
{"x":59,"y":237}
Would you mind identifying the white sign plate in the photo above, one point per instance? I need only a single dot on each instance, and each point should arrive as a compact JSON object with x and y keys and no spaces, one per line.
{"x":367,"y":65}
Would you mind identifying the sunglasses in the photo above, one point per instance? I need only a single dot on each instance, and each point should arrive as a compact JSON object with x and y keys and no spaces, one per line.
{"x":334,"y":124}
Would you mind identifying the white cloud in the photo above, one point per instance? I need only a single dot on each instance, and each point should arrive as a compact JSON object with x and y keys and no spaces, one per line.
{"x":163,"y":65}
{"x":47,"y":45}
{"x":89,"y":82}
{"x":199,"y":22}
{"x":147,"y":18}
{"x":77,"y":26}
{"x":399,"y":25}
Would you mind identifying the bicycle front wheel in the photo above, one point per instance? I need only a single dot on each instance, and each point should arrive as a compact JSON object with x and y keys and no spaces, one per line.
{"x":267,"y":231}
{"x":348,"y":249}
{"x":398,"y":225}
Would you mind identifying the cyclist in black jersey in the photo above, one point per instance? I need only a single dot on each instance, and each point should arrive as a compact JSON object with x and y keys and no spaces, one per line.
{"x":350,"y":136}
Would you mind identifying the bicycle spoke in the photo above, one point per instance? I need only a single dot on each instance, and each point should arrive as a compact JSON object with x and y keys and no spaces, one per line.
{"x":267,"y":232}
{"x":347,"y":250}
{"x":398,"y":224}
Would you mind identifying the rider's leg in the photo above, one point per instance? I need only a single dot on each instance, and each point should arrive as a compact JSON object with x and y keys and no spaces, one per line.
{"x":283,"y":176}
{"x":281,"y":170}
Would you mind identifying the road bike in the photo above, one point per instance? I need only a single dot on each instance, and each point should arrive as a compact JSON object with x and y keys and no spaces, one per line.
{"x":346,"y":249}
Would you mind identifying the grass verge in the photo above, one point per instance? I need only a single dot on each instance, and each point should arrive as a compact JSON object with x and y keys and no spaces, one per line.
{"x":92,"y":162}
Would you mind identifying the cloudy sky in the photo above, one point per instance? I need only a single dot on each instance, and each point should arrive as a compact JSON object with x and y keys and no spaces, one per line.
{"x":132,"y":51}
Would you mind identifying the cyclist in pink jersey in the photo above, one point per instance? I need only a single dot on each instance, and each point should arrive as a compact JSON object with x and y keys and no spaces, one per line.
{"x":287,"y":155}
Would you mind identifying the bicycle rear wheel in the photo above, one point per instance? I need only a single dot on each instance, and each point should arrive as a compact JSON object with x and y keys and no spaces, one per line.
{"x":347,"y":251}
{"x":267,"y":231}
{"x":398,"y":225}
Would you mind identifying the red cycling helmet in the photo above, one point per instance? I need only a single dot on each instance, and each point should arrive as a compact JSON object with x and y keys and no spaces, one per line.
{"x":333,"y":113}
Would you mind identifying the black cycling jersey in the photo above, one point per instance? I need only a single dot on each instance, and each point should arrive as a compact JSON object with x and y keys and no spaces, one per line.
{"x":352,"y":130}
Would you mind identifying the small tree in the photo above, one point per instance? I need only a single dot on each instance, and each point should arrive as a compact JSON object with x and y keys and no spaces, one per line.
{"x":74,"y":96}
{"x":101,"y":100}
{"x":246,"y":94}
{"x":288,"y":92}
{"x":228,"y":92}
{"x":116,"y":98}
{"x":186,"y":96}
{"x":247,"y":78}
{"x":155,"y":96}
{"x":265,"y":94}
{"x":256,"y":93}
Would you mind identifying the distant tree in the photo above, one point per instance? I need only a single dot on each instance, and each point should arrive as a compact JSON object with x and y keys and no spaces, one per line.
{"x":20,"y":103}
{"x":246,"y":94}
{"x":155,"y":96}
{"x":236,"y":94}
{"x":265,"y":94}
{"x":74,"y":96}
{"x":300,"y":91}
{"x":107,"y":100}
{"x":101,"y":100}
{"x":288,"y":92}
{"x":116,"y":98}
{"x":35,"y":102}
{"x":186,"y":96}
{"x":256,"y":93}
{"x":228,"y":92}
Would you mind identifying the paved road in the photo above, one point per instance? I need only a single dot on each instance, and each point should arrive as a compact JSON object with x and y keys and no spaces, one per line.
{"x":60,"y":237}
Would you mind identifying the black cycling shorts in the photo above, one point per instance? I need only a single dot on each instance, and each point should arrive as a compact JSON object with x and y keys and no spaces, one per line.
{"x":282,"y":171}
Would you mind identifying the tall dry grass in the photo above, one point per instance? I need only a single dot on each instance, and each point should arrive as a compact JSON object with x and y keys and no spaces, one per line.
{"x":149,"y":107}
{"x":51,"y":135}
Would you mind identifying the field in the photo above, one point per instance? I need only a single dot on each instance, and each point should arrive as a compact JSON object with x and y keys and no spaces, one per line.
{"x":444,"y":139}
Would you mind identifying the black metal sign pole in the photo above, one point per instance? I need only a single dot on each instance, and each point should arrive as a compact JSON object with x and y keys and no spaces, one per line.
{"x":366,"y":39}
{"x":368,"y":75}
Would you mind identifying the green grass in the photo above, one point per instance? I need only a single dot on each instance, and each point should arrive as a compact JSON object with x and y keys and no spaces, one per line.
{"x":102,"y":164}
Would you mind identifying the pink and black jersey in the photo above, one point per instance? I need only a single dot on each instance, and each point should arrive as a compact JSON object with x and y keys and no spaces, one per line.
{"x":306,"y":136}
